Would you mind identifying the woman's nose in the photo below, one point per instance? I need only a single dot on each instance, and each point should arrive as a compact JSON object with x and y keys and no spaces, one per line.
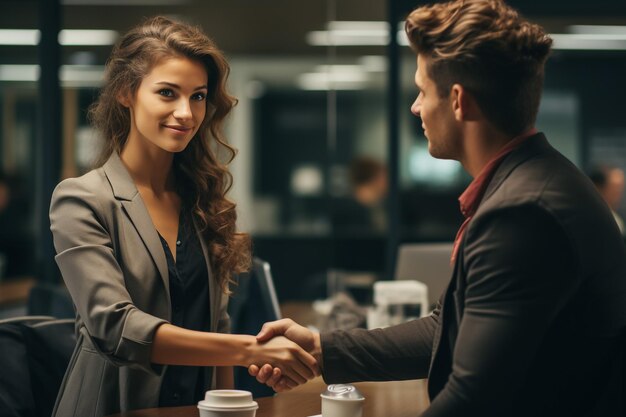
{"x":183,"y":110}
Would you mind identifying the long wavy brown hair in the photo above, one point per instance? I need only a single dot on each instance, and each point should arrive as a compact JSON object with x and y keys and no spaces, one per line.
{"x":204,"y":180}
{"x":488,"y":48}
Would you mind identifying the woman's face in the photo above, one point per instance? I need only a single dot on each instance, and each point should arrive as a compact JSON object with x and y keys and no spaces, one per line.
{"x":169,"y":105}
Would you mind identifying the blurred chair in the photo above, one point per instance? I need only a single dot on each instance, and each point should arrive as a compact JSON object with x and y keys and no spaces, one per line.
{"x":51,"y":299}
{"x":623,"y":373}
{"x":26,"y":320}
{"x":34,"y":354}
{"x":428,"y":263}
{"x":253,"y":303}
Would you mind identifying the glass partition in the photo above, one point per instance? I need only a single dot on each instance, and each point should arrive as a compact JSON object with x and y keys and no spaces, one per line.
{"x":311,"y":179}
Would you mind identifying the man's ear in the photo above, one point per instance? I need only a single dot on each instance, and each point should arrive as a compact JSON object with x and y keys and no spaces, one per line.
{"x":463,"y":104}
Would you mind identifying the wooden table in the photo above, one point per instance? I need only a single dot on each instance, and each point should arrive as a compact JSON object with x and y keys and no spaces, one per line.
{"x":15,"y":290}
{"x":389,"y":399}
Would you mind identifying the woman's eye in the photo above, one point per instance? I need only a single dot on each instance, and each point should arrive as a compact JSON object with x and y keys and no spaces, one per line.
{"x":166,"y":92}
{"x":199,"y":96}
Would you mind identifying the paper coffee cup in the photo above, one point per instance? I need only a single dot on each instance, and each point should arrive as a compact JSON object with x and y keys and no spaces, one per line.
{"x":341,"y":400}
{"x":227,"y":403}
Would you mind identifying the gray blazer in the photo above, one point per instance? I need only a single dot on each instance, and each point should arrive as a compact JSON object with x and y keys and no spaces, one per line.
{"x":113,"y":264}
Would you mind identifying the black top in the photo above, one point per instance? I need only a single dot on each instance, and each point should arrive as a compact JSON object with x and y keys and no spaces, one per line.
{"x":189,"y":296}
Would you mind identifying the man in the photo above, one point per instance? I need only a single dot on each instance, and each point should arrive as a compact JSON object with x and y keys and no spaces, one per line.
{"x":610,"y":184}
{"x":531,"y":322}
{"x":365,"y":207}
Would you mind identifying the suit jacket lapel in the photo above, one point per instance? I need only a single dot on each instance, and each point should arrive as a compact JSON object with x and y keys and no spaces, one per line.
{"x":125,"y":190}
{"x":436,"y":375}
{"x":213,"y":291}
{"x":529,"y":148}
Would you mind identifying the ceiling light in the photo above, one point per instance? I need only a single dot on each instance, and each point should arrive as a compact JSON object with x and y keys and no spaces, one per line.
{"x":69,"y":75}
{"x":19,"y":72}
{"x":81,"y":75}
{"x":123,"y":2}
{"x":339,"y":69}
{"x":358,"y":27}
{"x":327,"y":38}
{"x":87,"y":37}
{"x":66,"y":37}
{"x":373,"y":63}
{"x":332,"y":80}
{"x":606,"y":42}
{"x":19,"y":36}
{"x":401,"y":38}
{"x":598,"y":29}
{"x":350,"y":33}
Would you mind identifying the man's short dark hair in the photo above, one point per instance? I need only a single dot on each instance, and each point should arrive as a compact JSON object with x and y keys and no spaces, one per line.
{"x":485,"y":46}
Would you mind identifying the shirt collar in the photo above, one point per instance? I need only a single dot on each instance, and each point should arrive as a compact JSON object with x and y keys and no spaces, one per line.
{"x":471,"y":197}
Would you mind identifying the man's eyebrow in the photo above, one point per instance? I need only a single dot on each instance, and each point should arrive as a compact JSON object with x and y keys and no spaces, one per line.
{"x":201,"y":87}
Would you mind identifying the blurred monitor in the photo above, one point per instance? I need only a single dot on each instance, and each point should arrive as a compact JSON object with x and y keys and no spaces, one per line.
{"x":253,"y":303}
{"x":254,"y":300}
{"x":428,"y":263}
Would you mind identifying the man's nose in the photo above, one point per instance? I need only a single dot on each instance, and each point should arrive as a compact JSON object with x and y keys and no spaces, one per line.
{"x":416,"y":107}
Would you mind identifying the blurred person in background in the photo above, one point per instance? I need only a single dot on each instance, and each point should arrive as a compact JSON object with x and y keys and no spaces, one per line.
{"x":147,"y":241}
{"x":532,"y":322}
{"x":370,"y":186}
{"x":365,"y":210}
{"x":610,"y":183}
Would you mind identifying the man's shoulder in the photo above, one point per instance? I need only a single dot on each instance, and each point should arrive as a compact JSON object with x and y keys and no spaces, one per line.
{"x":545,"y":178}
{"x":548,"y":186}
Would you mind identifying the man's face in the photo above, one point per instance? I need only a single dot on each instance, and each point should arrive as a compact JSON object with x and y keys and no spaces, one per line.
{"x":440,"y":127}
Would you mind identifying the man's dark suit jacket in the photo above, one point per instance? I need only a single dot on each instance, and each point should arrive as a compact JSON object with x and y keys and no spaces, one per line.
{"x":530,"y":323}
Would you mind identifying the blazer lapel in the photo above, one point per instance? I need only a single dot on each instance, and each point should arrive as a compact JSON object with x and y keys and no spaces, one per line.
{"x":125,"y":190}
{"x":529,"y":148}
{"x":441,"y":361}
{"x":213,"y":291}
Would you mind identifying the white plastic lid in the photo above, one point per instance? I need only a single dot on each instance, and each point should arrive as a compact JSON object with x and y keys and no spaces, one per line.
{"x":227,"y":399}
{"x":342,"y":392}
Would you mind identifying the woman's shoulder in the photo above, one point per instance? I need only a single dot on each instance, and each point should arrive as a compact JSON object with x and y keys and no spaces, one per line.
{"x":91,"y":186}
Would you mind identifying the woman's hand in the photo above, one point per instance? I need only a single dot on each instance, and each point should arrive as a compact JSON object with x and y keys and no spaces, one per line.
{"x":273,"y":377}
{"x":293,"y":361}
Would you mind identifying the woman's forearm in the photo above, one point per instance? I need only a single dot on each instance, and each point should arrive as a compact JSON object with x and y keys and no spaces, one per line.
{"x":174,"y":345}
{"x":177,"y":346}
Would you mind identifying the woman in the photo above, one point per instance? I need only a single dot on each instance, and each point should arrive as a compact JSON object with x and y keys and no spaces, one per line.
{"x":146,"y":243}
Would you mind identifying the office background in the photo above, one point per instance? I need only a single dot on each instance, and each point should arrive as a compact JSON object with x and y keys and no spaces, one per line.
{"x":322,"y":86}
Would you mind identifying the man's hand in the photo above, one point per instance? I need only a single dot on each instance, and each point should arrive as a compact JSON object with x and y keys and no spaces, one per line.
{"x":294,"y":362}
{"x":309,"y":341}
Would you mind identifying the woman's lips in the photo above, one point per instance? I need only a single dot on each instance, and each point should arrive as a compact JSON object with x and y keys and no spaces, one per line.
{"x":178,"y":129}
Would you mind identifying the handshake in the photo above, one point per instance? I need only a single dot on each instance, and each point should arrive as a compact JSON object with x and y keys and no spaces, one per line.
{"x":296,"y":356}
